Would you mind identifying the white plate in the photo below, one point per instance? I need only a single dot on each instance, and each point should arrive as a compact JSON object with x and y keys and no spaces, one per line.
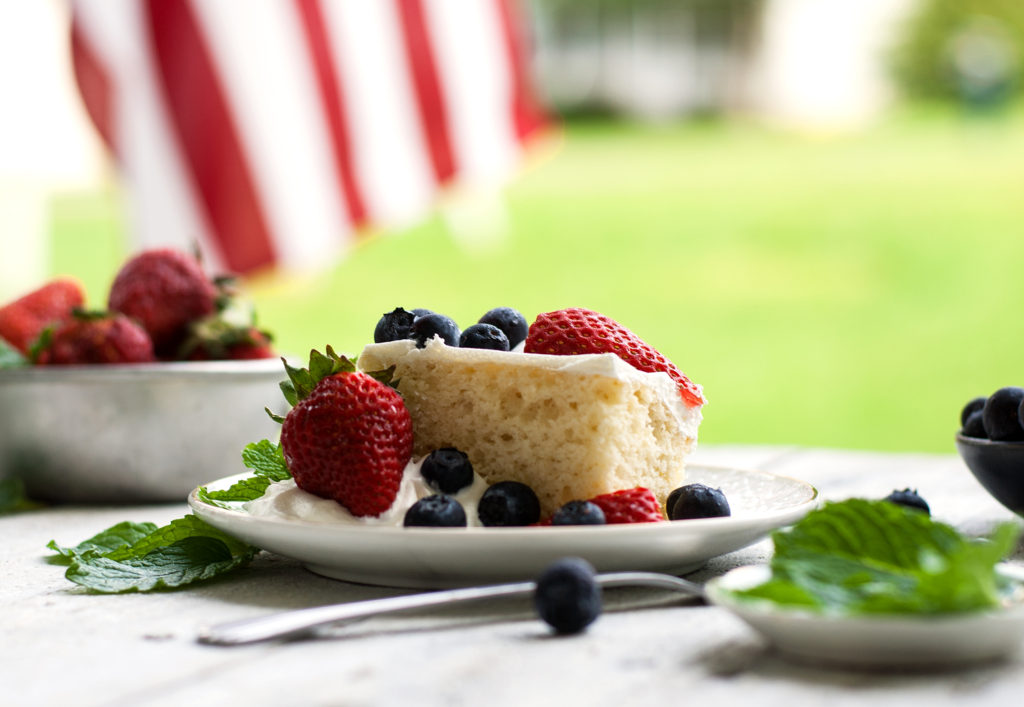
{"x":447,"y":557}
{"x":874,"y":642}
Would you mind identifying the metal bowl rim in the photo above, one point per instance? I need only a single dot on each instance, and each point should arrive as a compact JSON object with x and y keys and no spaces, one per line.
{"x":142,"y":372}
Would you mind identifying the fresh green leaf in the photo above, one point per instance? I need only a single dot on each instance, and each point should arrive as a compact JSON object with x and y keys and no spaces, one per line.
{"x":864,"y":557}
{"x":142,"y":557}
{"x":302,"y":381}
{"x":10,"y":357}
{"x":184,"y":561}
{"x":245,"y":490}
{"x":266,"y":459}
{"x":124,"y":534}
{"x":13,"y":497}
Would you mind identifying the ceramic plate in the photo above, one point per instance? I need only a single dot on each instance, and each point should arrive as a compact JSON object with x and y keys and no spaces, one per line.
{"x":874,"y":642}
{"x":448,"y":557}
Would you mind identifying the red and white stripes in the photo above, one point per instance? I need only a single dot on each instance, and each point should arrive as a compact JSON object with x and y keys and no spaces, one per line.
{"x":271,"y":132}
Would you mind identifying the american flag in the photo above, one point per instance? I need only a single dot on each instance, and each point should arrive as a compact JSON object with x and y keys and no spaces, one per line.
{"x":274,"y":133}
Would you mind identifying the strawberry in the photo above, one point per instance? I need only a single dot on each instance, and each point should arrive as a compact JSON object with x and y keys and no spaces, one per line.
{"x":215,"y":339}
{"x":636,"y":505}
{"x":24,"y":319}
{"x":348,"y":436}
{"x":582,"y":331}
{"x":94,"y":337}
{"x":165,"y":290}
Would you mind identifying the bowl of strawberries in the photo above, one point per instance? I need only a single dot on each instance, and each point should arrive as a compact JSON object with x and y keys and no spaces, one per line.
{"x":139,"y":401}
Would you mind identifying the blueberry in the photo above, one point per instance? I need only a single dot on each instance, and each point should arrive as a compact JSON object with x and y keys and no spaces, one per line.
{"x":975,"y":425}
{"x":508,"y":503}
{"x":578,"y":513}
{"x":568,"y":597}
{"x":437,"y":511}
{"x":910,"y":499}
{"x":970,"y":408}
{"x":697,"y":501}
{"x":393,"y":326}
{"x":509,"y":321}
{"x":1001,"y":414}
{"x":428,"y":326}
{"x":420,"y":312}
{"x":447,"y":469}
{"x":484,"y":336}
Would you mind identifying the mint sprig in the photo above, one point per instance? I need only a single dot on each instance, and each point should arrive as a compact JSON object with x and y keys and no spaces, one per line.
{"x":141,"y":557}
{"x":267,"y":463}
{"x":871,"y":557}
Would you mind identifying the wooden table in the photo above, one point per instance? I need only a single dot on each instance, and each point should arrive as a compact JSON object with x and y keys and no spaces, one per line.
{"x":62,"y":646}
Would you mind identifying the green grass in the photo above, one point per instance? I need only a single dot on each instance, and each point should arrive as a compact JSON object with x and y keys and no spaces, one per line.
{"x":850,"y":291}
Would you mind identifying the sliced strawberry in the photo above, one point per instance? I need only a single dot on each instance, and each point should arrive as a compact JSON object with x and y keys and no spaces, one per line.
{"x":636,"y":505}
{"x":24,"y":319}
{"x":582,"y":331}
{"x":348,"y":436}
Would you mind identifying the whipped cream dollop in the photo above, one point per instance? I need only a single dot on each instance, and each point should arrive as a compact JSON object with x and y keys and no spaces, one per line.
{"x":285,"y":500}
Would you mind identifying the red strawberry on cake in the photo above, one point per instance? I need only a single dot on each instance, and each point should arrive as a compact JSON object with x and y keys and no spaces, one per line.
{"x":636,"y":505}
{"x":348,"y":436}
{"x":572,"y":331}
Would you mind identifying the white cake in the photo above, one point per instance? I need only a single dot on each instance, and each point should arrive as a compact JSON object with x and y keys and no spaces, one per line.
{"x":571,"y":427}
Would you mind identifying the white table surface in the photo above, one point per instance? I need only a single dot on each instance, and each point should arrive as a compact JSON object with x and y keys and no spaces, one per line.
{"x":60,"y":645}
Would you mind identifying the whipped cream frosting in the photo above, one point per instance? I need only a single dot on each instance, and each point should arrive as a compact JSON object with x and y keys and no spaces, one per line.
{"x":285,"y":500}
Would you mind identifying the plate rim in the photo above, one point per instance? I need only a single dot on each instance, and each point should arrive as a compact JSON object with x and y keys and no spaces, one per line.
{"x":695,"y":524}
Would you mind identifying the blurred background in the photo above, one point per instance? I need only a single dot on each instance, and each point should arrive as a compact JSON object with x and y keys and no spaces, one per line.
{"x":814,"y":207}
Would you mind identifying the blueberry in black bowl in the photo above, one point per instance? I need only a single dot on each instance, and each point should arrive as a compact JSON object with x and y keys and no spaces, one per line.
{"x":1001,"y":415}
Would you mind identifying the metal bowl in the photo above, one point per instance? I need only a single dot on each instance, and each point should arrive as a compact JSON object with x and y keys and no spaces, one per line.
{"x":132,"y":433}
{"x":998,"y":466}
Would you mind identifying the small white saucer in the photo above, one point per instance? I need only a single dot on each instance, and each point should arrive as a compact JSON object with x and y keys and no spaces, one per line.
{"x":875,"y":642}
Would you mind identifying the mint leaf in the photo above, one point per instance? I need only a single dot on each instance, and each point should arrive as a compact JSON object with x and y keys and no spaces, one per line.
{"x":141,"y":557}
{"x":266,"y":459}
{"x":10,"y":357}
{"x":239,"y":492}
{"x":864,"y":557}
{"x":13,"y":498}
{"x":190,"y":559}
{"x":124,"y":534}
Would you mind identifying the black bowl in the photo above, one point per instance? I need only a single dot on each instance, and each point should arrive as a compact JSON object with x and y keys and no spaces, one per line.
{"x":998,"y":466}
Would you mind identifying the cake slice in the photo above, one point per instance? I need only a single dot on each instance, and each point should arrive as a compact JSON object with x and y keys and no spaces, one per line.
{"x":571,"y":427}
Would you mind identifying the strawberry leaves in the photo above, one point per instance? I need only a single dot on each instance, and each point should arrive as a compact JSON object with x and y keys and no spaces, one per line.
{"x":303,"y":381}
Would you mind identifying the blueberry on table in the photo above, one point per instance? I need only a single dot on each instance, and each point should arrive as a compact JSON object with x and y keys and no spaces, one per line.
{"x":1001,"y":415}
{"x":568,"y":597}
{"x":437,"y":511}
{"x":509,"y":321}
{"x":970,"y":408}
{"x":393,"y":326}
{"x":508,"y":503}
{"x":484,"y":336}
{"x":447,"y":469}
{"x":578,"y":513}
{"x":426,"y":327}
{"x":974,"y":426}
{"x":909,"y":499}
{"x":697,"y":501}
